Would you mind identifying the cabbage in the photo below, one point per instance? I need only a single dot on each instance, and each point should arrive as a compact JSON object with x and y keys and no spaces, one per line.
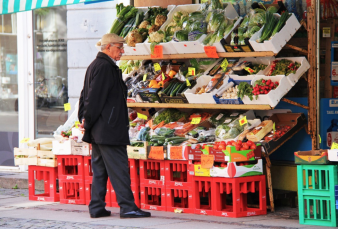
{"x":215,"y":21}
{"x":181,"y":35}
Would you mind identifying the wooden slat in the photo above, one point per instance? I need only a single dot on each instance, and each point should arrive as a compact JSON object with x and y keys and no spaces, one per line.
{"x":201,"y":106}
{"x":200,"y":55}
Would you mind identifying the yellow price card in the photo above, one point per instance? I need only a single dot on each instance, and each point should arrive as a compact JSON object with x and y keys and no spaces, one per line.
{"x":144,"y":77}
{"x":243,"y":121}
{"x":320,"y":139}
{"x":334,"y":145}
{"x":191,"y":71}
{"x":224,"y":64}
{"x":157,"y":67}
{"x":142,"y":116}
{"x":163,"y":77}
{"x":67,"y":106}
{"x":77,"y":123}
{"x":25,"y":140}
{"x":188,"y":83}
{"x":274,"y":127}
{"x":196,"y":120}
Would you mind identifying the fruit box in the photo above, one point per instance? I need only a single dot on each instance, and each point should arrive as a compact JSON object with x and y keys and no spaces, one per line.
{"x":47,"y":159}
{"x":235,"y":170}
{"x":172,"y":99}
{"x":71,"y":147}
{"x":295,"y":120}
{"x":25,"y":156}
{"x":333,"y":155}
{"x":232,"y":155}
{"x":149,"y":95}
{"x":313,"y":157}
{"x":137,"y":152}
{"x":194,"y":151}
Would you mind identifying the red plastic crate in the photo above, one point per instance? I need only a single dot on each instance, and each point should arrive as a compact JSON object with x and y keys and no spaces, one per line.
{"x":152,"y":173}
{"x":87,"y":168}
{"x":72,"y":192}
{"x":49,"y":175}
{"x":134,"y":170}
{"x":202,"y":191}
{"x":88,"y":187}
{"x":179,"y":199}
{"x":238,"y":188}
{"x":136,"y":192}
{"x":177,"y":175}
{"x":70,"y":167}
{"x":153,"y":198}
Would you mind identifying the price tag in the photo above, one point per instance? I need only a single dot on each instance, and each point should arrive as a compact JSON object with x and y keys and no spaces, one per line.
{"x":176,"y":153}
{"x":334,"y":145}
{"x":158,"y":52}
{"x":163,"y":77}
{"x":320,"y":139}
{"x":207,"y":161}
{"x":77,"y":123}
{"x":25,"y":140}
{"x":142,"y":116}
{"x":274,"y":128}
{"x":144,"y":77}
{"x":156,"y":152}
{"x":191,"y":71}
{"x":326,"y":32}
{"x":211,"y":51}
{"x":188,"y":83}
{"x":224,"y":64}
{"x":334,"y":72}
{"x":67,"y":106}
{"x":249,"y":70}
{"x":196,"y":120}
{"x":243,"y":121}
{"x":157,"y":67}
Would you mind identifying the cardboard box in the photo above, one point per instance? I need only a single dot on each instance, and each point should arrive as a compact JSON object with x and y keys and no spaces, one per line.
{"x":194,"y":151}
{"x":333,"y":154}
{"x":150,"y":95}
{"x":313,"y":157}
{"x":235,"y":170}
{"x":137,"y":152}
{"x":47,"y":159}
{"x":70,"y":147}
{"x":201,"y":172}
{"x":25,"y":156}
{"x":201,"y":98}
{"x":232,"y":155}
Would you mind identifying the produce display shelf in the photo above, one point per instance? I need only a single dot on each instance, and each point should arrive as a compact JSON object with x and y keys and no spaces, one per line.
{"x":202,"y":106}
{"x":200,"y":55}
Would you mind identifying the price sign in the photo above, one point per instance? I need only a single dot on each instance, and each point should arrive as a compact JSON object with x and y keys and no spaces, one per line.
{"x":144,"y":77}
{"x":77,"y":123}
{"x":158,"y":52}
{"x":25,"y":140}
{"x":176,"y":153}
{"x":156,"y":152}
{"x":188,"y":83}
{"x":196,"y":120}
{"x":334,"y":71}
{"x":243,"y":121}
{"x":224,"y":64}
{"x":326,"y":32}
{"x":163,"y":77}
{"x":67,"y":106}
{"x":320,"y":139}
{"x":191,"y":71}
{"x":274,"y":128}
{"x":211,"y":51}
{"x":142,"y":116}
{"x":207,"y":161}
{"x":157,"y":67}
{"x":250,"y":70}
{"x":334,"y":145}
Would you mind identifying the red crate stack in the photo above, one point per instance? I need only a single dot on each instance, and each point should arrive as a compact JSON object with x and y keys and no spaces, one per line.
{"x":202,"y":191}
{"x":49,"y":175}
{"x":178,"y":184}
{"x":71,"y":179}
{"x":230,"y":196}
{"x":152,"y":184}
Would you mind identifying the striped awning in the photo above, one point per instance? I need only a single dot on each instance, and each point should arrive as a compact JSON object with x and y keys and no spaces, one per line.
{"x":14,"y":6}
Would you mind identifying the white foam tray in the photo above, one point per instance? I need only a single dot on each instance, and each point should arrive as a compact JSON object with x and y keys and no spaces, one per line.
{"x":277,"y":42}
{"x":274,"y":96}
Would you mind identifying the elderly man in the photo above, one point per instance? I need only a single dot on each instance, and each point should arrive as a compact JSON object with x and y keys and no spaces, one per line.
{"x":104,"y":115}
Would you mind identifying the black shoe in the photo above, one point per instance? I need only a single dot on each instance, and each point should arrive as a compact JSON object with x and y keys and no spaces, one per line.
{"x":104,"y":213}
{"x":135,"y":214}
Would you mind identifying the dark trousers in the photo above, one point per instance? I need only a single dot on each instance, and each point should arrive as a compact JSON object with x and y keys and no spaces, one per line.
{"x":112,"y":161}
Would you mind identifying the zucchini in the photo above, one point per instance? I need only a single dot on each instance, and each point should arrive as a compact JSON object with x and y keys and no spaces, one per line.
{"x":165,"y":91}
{"x":181,"y":89}
{"x":172,"y":88}
{"x":173,"y":92}
{"x":174,"y":138}
{"x":177,"y":141}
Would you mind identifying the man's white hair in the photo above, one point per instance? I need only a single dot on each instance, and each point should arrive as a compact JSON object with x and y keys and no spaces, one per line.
{"x":103,"y":47}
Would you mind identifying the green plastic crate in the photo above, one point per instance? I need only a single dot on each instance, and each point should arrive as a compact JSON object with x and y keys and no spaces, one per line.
{"x":317,"y":210}
{"x":317,"y":180}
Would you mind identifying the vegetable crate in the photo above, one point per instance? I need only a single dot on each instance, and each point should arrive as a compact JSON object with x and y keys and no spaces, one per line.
{"x":227,"y":101}
{"x":72,"y":192}
{"x":238,"y":169}
{"x":313,"y":157}
{"x":232,"y":155}
{"x":153,"y":198}
{"x":70,"y":167}
{"x":152,"y":173}
{"x":200,"y":98}
{"x":202,"y":189}
{"x":135,"y":152}
{"x":194,"y":151}
{"x":177,"y":174}
{"x":333,"y":154}
{"x":230,"y":196}
{"x":49,"y":175}
{"x":179,"y":199}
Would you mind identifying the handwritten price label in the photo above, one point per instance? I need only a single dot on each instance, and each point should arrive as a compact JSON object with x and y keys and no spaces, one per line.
{"x":176,"y":153}
{"x":334,"y":145}
{"x":163,"y":77}
{"x":156,"y":152}
{"x":144,"y":77}
{"x":191,"y":71}
{"x":158,"y":52}
{"x":25,"y":140}
{"x":224,"y":64}
{"x":196,"y":120}
{"x":188,"y":83}
{"x":157,"y":67}
{"x":243,"y":121}
{"x":67,"y":106}
{"x":142,"y":116}
{"x":207,"y":161}
{"x":211,"y":51}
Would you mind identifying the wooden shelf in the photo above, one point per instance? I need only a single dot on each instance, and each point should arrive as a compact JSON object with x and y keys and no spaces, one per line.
{"x":201,"y":106}
{"x":200,"y":55}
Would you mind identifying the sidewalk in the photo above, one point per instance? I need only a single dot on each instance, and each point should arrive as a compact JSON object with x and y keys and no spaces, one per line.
{"x":16,"y":211}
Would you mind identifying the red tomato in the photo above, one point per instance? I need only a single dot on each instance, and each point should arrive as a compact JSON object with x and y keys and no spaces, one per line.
{"x":249,"y":143}
{"x":222,"y":142}
{"x":253,"y":146}
{"x":222,"y":147}
{"x":239,"y":141}
{"x":245,"y":147}
{"x":234,"y":144}
{"x":238,"y":148}
{"x":242,"y":149}
{"x":215,"y":147}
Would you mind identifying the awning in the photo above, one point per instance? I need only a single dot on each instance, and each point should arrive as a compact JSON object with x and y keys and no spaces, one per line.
{"x":14,"y":6}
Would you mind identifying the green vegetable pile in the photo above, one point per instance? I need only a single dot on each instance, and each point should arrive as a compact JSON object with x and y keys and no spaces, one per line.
{"x":127,"y":66}
{"x":168,"y":115}
{"x":245,"y":89}
{"x":137,"y":144}
{"x":231,"y":128}
{"x":258,"y":67}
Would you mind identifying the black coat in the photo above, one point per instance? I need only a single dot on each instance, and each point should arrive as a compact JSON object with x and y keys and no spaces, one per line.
{"x":103,"y":103}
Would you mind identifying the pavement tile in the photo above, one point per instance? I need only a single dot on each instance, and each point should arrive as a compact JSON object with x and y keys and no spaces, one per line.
{"x":199,"y":225}
{"x":275,"y":222}
{"x":139,"y":222}
{"x":6,"y":196}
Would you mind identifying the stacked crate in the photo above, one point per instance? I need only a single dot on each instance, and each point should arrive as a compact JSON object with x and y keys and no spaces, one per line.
{"x":316,"y":194}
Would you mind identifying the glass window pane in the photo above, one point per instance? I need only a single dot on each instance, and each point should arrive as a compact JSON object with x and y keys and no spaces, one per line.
{"x":8,"y":89}
{"x":50,"y":64}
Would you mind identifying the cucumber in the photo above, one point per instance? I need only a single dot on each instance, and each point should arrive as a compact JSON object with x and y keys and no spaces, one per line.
{"x":174,"y":138}
{"x":172,"y":88}
{"x":177,"y":141}
{"x":181,"y":88}
{"x":165,"y":91}
{"x":173,"y":92}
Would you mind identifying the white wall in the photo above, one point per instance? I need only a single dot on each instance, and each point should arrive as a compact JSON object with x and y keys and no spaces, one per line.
{"x":85,"y":26}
